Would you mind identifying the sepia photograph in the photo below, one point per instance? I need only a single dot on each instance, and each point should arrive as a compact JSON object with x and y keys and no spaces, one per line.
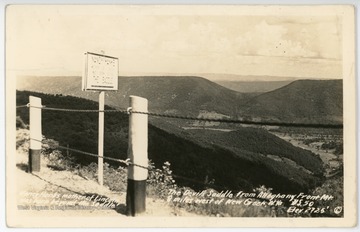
{"x":180,"y":116}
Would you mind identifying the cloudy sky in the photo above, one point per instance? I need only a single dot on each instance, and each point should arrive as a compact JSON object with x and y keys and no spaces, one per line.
{"x":51,"y":40}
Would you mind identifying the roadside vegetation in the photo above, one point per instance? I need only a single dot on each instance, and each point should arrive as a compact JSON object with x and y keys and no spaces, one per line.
{"x":236,"y":161}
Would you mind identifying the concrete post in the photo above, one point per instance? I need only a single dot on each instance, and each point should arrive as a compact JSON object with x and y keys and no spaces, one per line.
{"x":35,"y":134}
{"x":138,"y":155}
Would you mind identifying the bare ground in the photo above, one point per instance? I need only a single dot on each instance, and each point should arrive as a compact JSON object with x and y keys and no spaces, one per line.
{"x":64,"y":193}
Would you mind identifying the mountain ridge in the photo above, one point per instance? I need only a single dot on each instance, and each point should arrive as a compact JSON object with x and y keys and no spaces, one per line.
{"x":192,"y":96}
{"x":306,"y":101}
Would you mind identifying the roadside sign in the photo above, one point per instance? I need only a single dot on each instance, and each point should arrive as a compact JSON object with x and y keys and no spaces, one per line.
{"x":100,"y":72}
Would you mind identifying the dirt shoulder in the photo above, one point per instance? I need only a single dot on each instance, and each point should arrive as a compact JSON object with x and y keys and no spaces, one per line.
{"x":53,"y":192}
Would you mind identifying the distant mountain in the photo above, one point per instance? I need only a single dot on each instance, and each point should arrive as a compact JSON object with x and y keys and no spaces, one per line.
{"x":186,"y":95}
{"x":246,"y":78}
{"x":307,"y":101}
{"x":253,"y":86}
{"x":311,"y":101}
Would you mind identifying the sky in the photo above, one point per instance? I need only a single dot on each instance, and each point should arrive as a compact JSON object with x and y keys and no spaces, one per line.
{"x":221,"y":42}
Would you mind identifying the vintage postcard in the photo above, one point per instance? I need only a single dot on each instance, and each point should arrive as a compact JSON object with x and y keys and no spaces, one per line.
{"x":180,"y":116}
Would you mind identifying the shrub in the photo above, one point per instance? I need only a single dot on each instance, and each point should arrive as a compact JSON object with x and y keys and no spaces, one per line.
{"x":114,"y":178}
{"x":160,"y":181}
{"x":56,"y":158}
{"x":336,"y":188}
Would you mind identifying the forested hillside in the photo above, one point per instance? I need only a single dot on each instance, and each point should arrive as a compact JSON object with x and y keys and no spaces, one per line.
{"x":259,"y":142}
{"x":309,"y":101}
{"x":224,"y":167}
{"x":303,"y":101}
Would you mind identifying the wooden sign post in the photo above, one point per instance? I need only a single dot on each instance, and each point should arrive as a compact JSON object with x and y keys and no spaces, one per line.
{"x":100,"y":74}
{"x":138,"y":155}
{"x":35,"y":134}
{"x":101,"y":138}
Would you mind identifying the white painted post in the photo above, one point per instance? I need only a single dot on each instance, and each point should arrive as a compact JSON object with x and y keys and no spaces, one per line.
{"x":35,"y":134}
{"x":138,"y":155}
{"x":101,"y":138}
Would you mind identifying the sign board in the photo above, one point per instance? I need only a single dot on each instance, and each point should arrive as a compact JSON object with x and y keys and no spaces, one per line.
{"x":100,"y":73}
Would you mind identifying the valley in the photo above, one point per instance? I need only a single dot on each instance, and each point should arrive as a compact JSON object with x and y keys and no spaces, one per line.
{"x":332,"y":162}
{"x":229,"y":156}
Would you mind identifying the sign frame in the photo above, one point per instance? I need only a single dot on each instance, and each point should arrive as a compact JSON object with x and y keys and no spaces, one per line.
{"x":99,"y":83}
